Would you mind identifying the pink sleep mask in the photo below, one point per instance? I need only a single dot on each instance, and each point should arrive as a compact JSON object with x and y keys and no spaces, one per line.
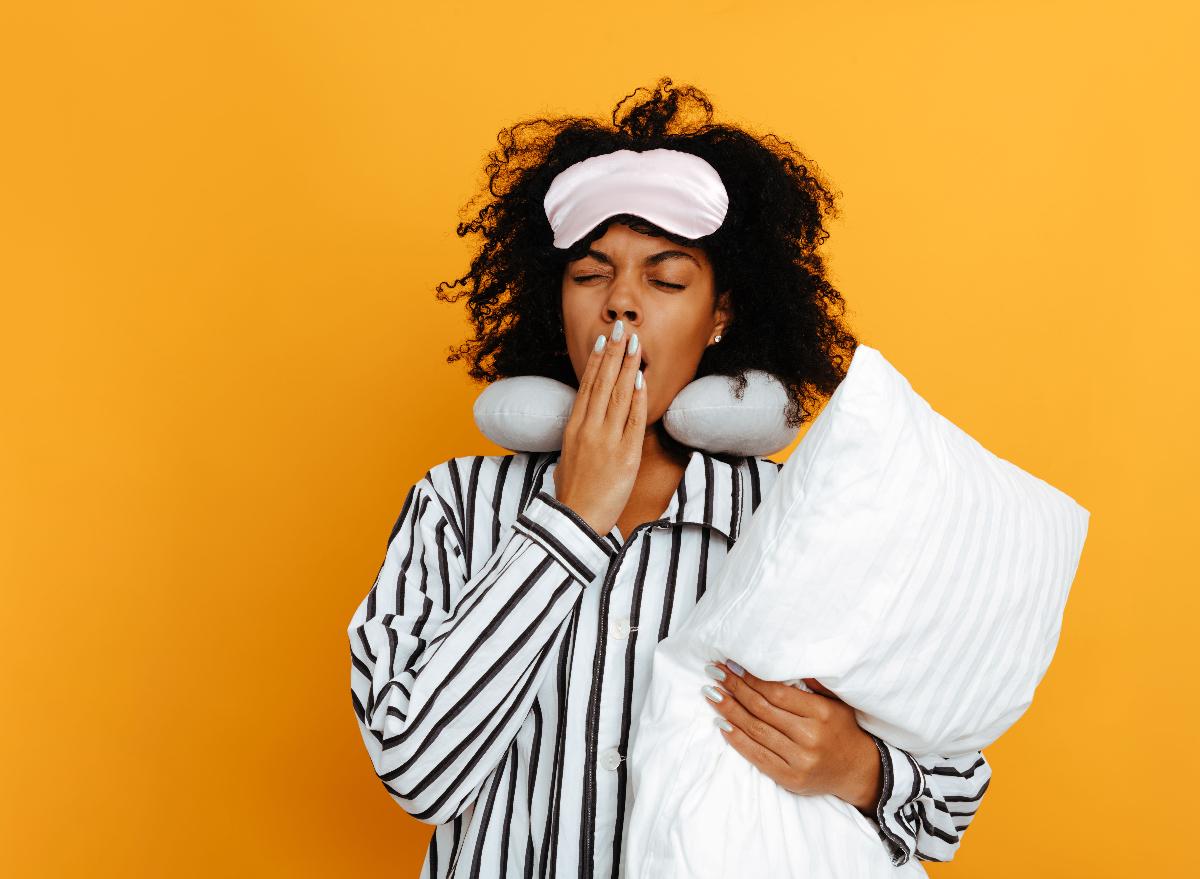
{"x":678,"y":192}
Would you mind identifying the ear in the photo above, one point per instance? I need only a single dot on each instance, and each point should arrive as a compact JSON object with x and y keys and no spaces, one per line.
{"x":723,"y":314}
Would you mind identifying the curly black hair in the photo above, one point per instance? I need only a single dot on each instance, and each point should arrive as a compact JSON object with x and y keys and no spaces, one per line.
{"x":787,"y":316}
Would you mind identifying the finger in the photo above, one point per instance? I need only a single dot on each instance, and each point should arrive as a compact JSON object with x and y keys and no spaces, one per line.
{"x":791,"y":700}
{"x":635,"y":424}
{"x":606,"y":376}
{"x":586,"y":382}
{"x":753,"y":727}
{"x":753,"y":701}
{"x":818,"y":687}
{"x":623,"y":388}
{"x":767,"y":761}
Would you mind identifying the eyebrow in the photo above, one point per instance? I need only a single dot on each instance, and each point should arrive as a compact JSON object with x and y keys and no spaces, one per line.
{"x":656,"y":259}
{"x":666,"y":255}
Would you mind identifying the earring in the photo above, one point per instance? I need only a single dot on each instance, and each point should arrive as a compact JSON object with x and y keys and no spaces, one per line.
{"x":716,"y":339}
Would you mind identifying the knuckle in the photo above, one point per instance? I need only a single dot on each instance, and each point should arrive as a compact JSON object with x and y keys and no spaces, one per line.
{"x":794,"y":782}
{"x":757,"y":703}
{"x":776,"y":693}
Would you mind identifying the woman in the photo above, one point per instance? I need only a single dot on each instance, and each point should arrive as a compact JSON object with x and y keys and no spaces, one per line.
{"x":501,"y":658}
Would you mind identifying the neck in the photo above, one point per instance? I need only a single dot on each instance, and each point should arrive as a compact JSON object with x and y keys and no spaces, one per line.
{"x":656,"y":454}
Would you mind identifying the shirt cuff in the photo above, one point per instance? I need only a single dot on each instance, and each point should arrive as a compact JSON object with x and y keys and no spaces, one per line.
{"x":903,"y":782}
{"x":560,"y":531}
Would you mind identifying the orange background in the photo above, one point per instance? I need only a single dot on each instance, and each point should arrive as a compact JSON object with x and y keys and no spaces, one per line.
{"x":223,"y":365}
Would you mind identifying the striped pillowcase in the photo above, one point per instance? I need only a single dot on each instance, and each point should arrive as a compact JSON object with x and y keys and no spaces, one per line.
{"x":911,"y":571}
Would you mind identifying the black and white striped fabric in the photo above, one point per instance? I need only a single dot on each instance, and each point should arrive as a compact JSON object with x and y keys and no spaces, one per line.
{"x":501,"y":659}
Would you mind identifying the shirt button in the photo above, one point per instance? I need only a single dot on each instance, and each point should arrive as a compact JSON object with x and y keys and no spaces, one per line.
{"x":619,"y":628}
{"x":610,"y":759}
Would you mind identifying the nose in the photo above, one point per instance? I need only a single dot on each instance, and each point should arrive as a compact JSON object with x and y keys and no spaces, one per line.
{"x":622,"y":304}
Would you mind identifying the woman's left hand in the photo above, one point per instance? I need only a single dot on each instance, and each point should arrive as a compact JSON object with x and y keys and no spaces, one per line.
{"x":807,"y":742}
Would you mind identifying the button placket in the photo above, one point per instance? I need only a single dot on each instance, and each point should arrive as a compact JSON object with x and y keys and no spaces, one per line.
{"x":619,"y":629}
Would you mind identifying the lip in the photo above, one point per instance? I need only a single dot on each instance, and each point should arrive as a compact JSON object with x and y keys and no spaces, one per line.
{"x":641,"y":352}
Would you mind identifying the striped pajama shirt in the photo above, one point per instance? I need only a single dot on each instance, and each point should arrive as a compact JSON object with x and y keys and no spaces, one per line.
{"x":500,"y":662}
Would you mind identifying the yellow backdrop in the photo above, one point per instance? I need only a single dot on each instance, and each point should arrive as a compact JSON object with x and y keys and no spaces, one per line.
{"x":223,"y":365}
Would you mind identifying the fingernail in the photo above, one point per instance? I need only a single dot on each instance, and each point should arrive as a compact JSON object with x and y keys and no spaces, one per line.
{"x":735,"y":668}
{"x":600,"y":344}
{"x":637,"y":382}
{"x":722,"y":723}
{"x":633,"y":344}
{"x":715,"y":673}
{"x":618,"y":332}
{"x":713,"y":694}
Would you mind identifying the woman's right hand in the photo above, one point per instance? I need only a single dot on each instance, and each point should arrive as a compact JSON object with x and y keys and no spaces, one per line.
{"x":602,"y":443}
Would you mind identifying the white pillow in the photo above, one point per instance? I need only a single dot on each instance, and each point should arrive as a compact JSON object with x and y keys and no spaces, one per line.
{"x":912,"y":572}
{"x":529,"y":413}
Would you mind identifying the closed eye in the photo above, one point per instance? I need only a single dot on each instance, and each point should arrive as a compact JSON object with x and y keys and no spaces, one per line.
{"x":669,"y":285}
{"x":579,"y":279}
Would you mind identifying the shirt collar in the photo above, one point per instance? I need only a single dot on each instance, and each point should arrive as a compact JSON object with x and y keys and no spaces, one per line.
{"x":711,"y":494}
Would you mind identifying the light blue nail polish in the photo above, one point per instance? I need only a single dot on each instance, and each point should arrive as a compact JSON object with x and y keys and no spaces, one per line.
{"x":735,"y":668}
{"x":600,"y":343}
{"x":715,"y":673}
{"x":722,"y":723}
{"x":633,"y":343}
{"x":712,"y":693}
{"x":637,"y":382}
{"x":618,"y":332}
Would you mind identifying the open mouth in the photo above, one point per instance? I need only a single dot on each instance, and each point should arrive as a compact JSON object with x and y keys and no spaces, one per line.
{"x":643,"y":362}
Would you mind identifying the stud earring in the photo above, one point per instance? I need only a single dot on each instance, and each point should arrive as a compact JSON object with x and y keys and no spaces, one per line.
{"x":716,"y":338}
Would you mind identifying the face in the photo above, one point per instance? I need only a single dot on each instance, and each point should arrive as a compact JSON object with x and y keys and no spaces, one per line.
{"x":661,"y":291}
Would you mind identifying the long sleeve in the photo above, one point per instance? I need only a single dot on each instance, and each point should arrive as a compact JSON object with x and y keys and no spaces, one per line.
{"x":926,"y":806}
{"x":445,"y":668}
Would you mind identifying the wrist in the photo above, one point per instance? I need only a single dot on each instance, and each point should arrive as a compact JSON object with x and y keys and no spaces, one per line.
{"x":867,"y":777}
{"x":585,"y":504}
{"x":588,"y":514}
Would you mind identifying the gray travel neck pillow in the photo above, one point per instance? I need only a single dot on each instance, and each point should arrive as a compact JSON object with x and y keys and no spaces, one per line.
{"x":529,"y":413}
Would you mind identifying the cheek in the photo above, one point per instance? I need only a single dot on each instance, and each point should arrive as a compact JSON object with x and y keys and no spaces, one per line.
{"x":578,"y":332}
{"x":675,"y":363}
{"x":668,"y":382}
